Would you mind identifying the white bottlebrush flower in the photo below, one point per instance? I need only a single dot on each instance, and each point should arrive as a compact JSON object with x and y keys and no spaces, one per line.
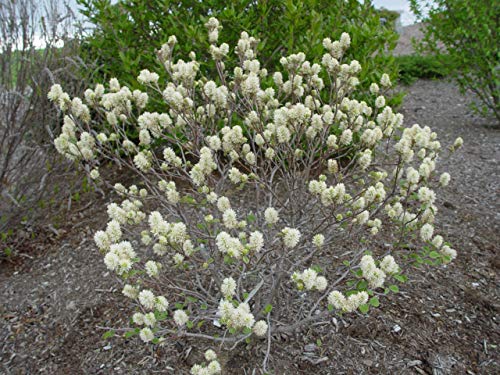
{"x":146,"y":77}
{"x":355,"y":300}
{"x":147,"y":299}
{"x":271,"y":215}
{"x":458,"y":143}
{"x":152,"y":268}
{"x":210,"y":355}
{"x":337,"y":299}
{"x":180,"y":317}
{"x":228,"y":287}
{"x":144,"y":137}
{"x":437,"y":241}
{"x":426,"y":195}
{"x":256,"y":241}
{"x":178,"y":259}
{"x":161,"y":304}
{"x":372,"y":274}
{"x":130,"y":291}
{"x":444,"y":179}
{"x":213,"y":368}
{"x":223,"y":204}
{"x":449,"y":252}
{"x":291,"y":237}
{"x":389,"y":265}
{"x":426,"y":232}
{"x":321,"y":283}
{"x":260,"y":328}
{"x":138,"y":319}
{"x":346,"y":137}
{"x":149,"y":319}
{"x":229,"y":219}
{"x":380,"y":102}
{"x":318,"y":240}
{"x":146,"y":334}
{"x":94,"y":174}
{"x":112,"y":261}
{"x":142,"y":161}
{"x":385,"y":80}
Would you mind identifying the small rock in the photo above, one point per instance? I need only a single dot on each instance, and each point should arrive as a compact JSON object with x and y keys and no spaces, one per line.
{"x":416,"y":362}
{"x":310,"y":347}
{"x":107,"y":347}
{"x":396,"y":328}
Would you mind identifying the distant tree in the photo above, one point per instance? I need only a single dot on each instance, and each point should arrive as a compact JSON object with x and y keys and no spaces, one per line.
{"x":468,"y":31}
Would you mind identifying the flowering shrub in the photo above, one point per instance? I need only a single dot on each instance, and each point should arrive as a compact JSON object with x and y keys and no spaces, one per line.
{"x":233,"y":237}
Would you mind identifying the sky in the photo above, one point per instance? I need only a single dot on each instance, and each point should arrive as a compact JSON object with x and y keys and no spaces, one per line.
{"x":407,"y":18}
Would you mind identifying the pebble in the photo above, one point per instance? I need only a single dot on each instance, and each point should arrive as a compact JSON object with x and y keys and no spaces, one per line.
{"x":310,"y":347}
{"x":396,"y":328}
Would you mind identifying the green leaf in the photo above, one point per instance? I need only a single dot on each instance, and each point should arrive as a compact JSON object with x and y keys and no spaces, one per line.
{"x":374,"y":301}
{"x":434,"y":255}
{"x":246,"y":260}
{"x":401,"y":278}
{"x":189,"y":324}
{"x":268,"y":308}
{"x":131,"y":333}
{"x":394,"y":288}
{"x":362,"y":285}
{"x":161,"y":315}
{"x":108,"y":334}
{"x":364,"y":308}
{"x":330,"y":307}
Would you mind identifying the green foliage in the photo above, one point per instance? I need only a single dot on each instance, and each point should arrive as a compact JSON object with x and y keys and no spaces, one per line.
{"x":127,"y":33}
{"x":390,"y":16}
{"x":468,"y":31}
{"x":413,"y":67}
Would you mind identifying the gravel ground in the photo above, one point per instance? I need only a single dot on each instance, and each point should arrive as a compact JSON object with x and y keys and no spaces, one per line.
{"x":405,"y":46}
{"x":442,"y":322}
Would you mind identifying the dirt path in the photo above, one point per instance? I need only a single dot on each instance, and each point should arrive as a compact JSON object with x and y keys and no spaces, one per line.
{"x":448,"y":320}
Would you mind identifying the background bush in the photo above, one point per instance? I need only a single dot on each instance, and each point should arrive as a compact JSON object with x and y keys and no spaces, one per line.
{"x":127,"y":33}
{"x":413,"y":67}
{"x":468,"y":31}
{"x":38,"y":46}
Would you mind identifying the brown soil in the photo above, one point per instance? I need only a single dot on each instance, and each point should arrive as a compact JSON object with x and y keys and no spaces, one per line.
{"x":444,"y":321}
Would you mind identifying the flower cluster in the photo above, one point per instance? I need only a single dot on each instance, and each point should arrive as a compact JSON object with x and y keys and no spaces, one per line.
{"x":347,"y":304}
{"x":309,"y":280}
{"x":212,"y":368}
